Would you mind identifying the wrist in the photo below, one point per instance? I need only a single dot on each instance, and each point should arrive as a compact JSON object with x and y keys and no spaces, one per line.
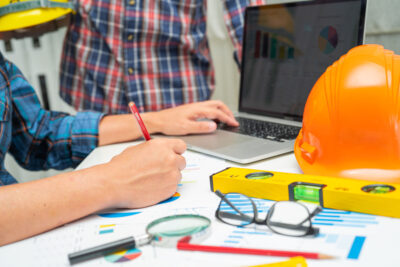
{"x":101,"y":185}
{"x":153,"y":124}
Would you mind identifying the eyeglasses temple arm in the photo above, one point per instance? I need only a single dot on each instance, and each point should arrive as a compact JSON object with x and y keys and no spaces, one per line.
{"x":299,"y":226}
{"x":229,"y":215}
{"x":222,"y":196}
{"x":317,"y":210}
{"x":288,"y":226}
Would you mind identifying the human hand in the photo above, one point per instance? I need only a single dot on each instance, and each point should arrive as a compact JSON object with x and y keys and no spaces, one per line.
{"x":184,"y":119}
{"x":145,"y":174}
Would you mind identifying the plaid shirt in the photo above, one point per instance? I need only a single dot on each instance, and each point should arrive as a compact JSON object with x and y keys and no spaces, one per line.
{"x":36,"y":138}
{"x":154,"y":53}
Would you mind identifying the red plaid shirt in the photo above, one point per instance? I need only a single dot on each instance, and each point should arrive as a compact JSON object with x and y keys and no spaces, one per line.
{"x":154,"y":53}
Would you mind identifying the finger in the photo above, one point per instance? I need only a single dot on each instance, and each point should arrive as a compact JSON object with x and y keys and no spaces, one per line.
{"x":178,"y":145}
{"x":200,"y":127}
{"x":213,"y":113}
{"x":181,"y":162}
{"x":221,"y":105}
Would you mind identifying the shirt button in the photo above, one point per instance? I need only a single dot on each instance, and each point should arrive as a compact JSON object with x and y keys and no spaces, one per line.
{"x":130,"y":70}
{"x":130,"y":37}
{"x":132,"y":2}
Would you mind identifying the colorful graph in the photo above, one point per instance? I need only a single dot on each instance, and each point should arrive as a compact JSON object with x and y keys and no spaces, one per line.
{"x":355,"y":243}
{"x":117,"y":214}
{"x":329,"y":217}
{"x":328,"y":40}
{"x":106,"y":229}
{"x":356,"y":247}
{"x":268,"y":45}
{"x":131,"y":213}
{"x":192,"y":167}
{"x":124,"y":255}
{"x":245,"y":206}
{"x":173,"y":198}
{"x":347,"y":244}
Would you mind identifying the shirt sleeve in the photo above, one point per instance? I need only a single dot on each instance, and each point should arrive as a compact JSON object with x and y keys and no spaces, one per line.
{"x":234,"y":19}
{"x":43,"y":139}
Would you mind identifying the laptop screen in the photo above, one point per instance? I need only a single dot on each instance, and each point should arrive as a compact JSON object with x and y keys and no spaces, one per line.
{"x":287,"y":47}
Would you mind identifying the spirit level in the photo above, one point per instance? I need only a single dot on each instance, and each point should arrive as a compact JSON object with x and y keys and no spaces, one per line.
{"x":329,"y":192}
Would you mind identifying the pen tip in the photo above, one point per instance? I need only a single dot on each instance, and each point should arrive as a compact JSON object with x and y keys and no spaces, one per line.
{"x":131,"y":103}
{"x":326,"y":257}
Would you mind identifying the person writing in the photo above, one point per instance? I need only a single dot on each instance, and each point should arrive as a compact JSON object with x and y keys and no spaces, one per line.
{"x":140,"y":176}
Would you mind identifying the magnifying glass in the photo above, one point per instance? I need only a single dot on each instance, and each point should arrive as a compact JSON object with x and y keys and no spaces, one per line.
{"x":166,"y":232}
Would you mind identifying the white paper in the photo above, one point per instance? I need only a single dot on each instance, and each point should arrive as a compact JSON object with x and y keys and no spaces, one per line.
{"x":380,"y":235}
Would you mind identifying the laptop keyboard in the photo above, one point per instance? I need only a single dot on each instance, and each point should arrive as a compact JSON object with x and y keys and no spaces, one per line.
{"x":263,"y":129}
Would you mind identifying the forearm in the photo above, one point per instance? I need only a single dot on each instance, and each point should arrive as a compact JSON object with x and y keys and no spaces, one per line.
{"x":30,"y":208}
{"x":173,"y":121}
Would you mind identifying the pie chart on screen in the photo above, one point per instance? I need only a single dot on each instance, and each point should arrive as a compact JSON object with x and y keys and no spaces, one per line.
{"x":124,"y":255}
{"x":328,"y":40}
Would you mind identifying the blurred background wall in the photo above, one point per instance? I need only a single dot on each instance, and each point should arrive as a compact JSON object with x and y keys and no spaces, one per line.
{"x":39,"y":59}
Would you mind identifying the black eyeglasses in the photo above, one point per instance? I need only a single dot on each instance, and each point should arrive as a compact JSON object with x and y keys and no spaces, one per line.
{"x":283,"y":217}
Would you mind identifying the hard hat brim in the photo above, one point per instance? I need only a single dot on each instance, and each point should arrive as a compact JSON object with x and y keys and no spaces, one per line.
{"x":29,"y":18}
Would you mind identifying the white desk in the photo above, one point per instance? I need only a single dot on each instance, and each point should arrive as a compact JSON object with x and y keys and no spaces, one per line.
{"x":380,"y":234}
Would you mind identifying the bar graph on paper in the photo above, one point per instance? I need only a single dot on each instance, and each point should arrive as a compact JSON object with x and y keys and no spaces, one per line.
{"x":327,"y":217}
{"x":347,"y":244}
{"x":340,"y":218}
{"x":342,"y":245}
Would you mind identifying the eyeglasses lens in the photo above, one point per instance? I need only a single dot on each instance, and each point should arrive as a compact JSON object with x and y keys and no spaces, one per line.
{"x":242,"y":212}
{"x":289,"y":218}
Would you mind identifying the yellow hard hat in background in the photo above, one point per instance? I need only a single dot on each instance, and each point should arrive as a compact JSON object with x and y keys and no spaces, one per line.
{"x":20,"y":14}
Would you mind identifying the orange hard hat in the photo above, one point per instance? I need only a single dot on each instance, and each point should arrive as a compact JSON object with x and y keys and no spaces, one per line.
{"x":351,"y":124}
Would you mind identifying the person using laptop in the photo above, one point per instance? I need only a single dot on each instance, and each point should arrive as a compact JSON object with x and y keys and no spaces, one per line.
{"x":38,"y":139}
{"x":286,"y":47}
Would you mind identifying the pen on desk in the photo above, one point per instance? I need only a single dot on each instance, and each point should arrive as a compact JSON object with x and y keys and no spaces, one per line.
{"x":139,"y":120}
{"x":185,"y":245}
{"x":297,"y":261}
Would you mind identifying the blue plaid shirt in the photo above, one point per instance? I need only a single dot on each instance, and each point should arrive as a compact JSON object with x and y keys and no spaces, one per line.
{"x":36,"y":138}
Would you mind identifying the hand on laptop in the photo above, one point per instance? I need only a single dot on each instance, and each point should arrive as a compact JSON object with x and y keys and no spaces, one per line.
{"x":186,"y":119}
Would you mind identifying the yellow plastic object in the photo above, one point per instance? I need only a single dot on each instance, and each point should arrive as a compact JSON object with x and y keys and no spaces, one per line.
{"x":351,"y":125}
{"x":329,"y":192}
{"x":20,"y":15}
{"x":292,"y":262}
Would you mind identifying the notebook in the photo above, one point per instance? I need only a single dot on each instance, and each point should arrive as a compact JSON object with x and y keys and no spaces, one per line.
{"x":286,"y":48}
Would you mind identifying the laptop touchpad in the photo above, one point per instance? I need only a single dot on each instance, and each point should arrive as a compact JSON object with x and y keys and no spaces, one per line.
{"x":217,"y":140}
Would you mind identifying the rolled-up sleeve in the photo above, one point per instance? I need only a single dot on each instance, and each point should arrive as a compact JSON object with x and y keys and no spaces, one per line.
{"x":84,"y":135}
{"x":44,"y":139}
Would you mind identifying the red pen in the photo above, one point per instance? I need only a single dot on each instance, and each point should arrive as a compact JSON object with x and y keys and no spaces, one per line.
{"x":135,"y":112}
{"x":184,"y":244}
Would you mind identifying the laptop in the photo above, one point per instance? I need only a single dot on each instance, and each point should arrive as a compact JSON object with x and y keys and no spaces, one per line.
{"x":286,"y":48}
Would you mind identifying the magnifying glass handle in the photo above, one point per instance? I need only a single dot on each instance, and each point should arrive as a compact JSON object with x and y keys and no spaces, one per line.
{"x":101,"y":250}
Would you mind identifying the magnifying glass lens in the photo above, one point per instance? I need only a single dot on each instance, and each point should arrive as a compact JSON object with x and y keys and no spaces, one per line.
{"x":177,"y":226}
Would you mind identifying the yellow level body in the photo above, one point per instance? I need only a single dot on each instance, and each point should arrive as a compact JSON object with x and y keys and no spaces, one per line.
{"x":330,"y":192}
